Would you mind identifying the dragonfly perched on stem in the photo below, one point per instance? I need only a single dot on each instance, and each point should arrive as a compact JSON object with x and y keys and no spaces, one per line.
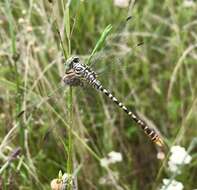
{"x":77,"y":72}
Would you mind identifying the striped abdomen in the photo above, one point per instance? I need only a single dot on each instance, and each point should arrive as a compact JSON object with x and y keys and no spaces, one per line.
{"x":151,"y":133}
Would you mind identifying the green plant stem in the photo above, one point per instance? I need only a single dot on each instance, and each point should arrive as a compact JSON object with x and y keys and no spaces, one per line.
{"x":70,"y":122}
{"x":70,"y":100}
{"x":16,"y":73}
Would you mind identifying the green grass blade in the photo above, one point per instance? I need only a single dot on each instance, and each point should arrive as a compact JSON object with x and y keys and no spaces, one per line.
{"x":101,"y":41}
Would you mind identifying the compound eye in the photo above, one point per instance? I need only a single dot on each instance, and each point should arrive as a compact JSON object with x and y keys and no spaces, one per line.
{"x":76,"y":60}
{"x":78,"y":69}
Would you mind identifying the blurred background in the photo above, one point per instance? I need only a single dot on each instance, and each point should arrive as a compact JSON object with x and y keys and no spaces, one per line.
{"x":46,"y":127}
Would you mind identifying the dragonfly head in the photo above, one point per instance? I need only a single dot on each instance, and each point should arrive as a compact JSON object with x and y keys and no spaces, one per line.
{"x":74,"y":64}
{"x":70,"y":77}
{"x":71,"y":62}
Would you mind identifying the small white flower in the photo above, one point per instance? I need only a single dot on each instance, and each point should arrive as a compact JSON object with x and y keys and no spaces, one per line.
{"x":115,"y":156}
{"x":174,"y":167}
{"x":111,"y":158}
{"x":21,"y":20}
{"x":188,"y":3}
{"x":24,"y":12}
{"x":171,"y":185}
{"x":121,"y":3}
{"x":178,"y":157}
{"x":104,"y":162}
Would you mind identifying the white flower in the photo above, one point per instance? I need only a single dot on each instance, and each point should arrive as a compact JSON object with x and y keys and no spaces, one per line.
{"x":115,"y":156}
{"x":174,"y":167}
{"x":171,"y":185}
{"x":21,"y":20}
{"x":121,"y":3}
{"x":111,"y":158}
{"x":24,"y":12}
{"x":104,"y":162}
{"x":188,"y":3}
{"x":178,"y":157}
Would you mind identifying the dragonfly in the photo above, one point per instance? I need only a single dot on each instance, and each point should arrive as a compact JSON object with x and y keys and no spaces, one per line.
{"x":77,"y":72}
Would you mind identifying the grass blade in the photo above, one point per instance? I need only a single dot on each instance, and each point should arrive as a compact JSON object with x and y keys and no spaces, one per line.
{"x":101,"y":41}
